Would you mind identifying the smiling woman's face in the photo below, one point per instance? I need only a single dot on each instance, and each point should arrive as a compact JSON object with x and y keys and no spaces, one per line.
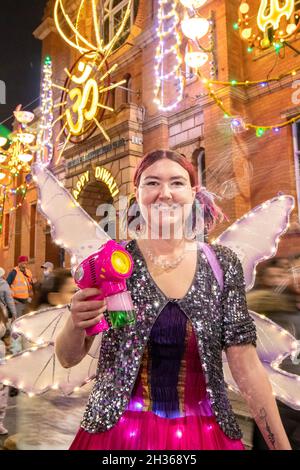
{"x":165,"y":195}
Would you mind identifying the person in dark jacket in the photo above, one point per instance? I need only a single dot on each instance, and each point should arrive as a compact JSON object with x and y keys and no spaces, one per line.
{"x":6,"y":300}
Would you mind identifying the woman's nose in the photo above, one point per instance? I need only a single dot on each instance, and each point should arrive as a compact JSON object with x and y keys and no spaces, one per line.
{"x":165,"y":191}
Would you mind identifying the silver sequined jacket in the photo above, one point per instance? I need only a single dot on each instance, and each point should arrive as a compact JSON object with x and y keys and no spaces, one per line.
{"x":220,"y":319}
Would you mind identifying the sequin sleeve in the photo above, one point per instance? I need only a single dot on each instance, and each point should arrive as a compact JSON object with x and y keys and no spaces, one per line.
{"x":238,"y":326}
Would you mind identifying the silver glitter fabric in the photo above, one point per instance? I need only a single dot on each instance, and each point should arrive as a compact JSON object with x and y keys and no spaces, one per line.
{"x":220,"y":319}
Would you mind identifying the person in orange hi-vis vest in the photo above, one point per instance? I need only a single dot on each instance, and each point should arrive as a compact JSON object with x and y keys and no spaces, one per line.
{"x":21,"y":284}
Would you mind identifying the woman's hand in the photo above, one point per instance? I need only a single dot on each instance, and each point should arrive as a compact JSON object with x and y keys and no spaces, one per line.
{"x":84,"y":312}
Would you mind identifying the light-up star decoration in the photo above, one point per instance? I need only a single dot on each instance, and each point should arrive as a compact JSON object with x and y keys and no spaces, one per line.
{"x":276,"y":22}
{"x":85,"y":93}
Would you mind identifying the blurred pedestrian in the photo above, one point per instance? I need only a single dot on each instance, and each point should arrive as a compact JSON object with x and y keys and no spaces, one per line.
{"x":6,"y":300}
{"x":56,"y":289}
{"x":47,"y":268}
{"x":21,"y":283}
{"x":3,"y":388}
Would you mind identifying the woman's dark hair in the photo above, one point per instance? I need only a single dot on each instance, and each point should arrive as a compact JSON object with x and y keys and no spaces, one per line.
{"x":53,"y":283}
{"x":204,"y":200}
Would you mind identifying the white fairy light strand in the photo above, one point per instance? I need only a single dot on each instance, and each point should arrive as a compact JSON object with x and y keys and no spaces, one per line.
{"x":164,"y":32}
{"x":44,"y":138}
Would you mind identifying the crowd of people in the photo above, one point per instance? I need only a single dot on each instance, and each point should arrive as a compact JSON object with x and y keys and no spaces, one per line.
{"x":21,"y":293}
{"x":276,"y":295}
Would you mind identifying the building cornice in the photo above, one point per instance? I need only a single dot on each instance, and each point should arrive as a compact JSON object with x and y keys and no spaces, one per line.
{"x":44,"y":29}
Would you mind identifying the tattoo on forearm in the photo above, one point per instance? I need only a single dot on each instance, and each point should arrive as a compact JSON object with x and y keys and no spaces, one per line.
{"x":263,"y":417}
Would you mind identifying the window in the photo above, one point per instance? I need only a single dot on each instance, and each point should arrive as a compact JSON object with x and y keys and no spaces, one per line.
{"x":198,"y":159}
{"x":127,"y":91}
{"x":6,"y":229}
{"x":114,"y":11}
{"x":296,"y":139}
{"x":32,"y":230}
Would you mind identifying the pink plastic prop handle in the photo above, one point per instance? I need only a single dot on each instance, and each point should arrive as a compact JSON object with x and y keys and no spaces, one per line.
{"x":96,"y":329}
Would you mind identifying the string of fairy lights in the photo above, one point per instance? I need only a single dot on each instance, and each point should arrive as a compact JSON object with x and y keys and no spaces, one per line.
{"x":168,"y":47}
{"x":17,"y":152}
{"x":194,"y":27}
{"x":239,"y":123}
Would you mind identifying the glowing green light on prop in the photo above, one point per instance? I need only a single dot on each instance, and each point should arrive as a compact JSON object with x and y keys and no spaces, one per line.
{"x":236,"y":26}
{"x":233,"y":82}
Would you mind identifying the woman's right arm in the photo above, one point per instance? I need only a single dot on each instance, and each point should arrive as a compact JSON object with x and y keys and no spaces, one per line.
{"x":72,"y":344}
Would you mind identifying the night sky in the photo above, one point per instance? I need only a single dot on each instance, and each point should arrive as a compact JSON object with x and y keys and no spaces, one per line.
{"x":20,"y":54}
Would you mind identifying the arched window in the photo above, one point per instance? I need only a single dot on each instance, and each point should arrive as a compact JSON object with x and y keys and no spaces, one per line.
{"x":114,"y":11}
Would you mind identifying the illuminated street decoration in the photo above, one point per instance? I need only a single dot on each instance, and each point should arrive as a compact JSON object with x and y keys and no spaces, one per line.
{"x":85,"y":94}
{"x":275,"y":13}
{"x":44,"y":138}
{"x":17,"y":153}
{"x":178,"y":20}
{"x":169,"y":79}
{"x":277,"y":22}
{"x":100,"y":174}
{"x":70,"y":30}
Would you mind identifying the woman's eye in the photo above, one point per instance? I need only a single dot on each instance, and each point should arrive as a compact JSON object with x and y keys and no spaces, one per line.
{"x":151,"y":183}
{"x":178,"y":183}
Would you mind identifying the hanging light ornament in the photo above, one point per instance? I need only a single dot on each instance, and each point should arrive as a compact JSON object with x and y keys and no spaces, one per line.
{"x":195,"y":58}
{"x":194,"y":28}
{"x":3,"y":141}
{"x":24,"y":117}
{"x":26,"y":137}
{"x":19,"y":153}
{"x":193,"y":3}
{"x":25,"y":157}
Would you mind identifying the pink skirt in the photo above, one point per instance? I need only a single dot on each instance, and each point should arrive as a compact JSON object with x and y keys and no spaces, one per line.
{"x":147,"y":431}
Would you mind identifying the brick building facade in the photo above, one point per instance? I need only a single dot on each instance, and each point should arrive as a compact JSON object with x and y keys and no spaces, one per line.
{"x":243,"y":169}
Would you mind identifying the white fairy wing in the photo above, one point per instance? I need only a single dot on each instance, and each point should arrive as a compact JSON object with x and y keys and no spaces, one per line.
{"x":274,"y":344}
{"x":71,"y":227}
{"x":255,"y":236}
{"x":43,"y":326}
{"x":38,"y":370}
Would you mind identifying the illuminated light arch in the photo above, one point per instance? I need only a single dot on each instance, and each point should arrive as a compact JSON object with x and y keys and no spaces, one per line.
{"x":101,"y":174}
